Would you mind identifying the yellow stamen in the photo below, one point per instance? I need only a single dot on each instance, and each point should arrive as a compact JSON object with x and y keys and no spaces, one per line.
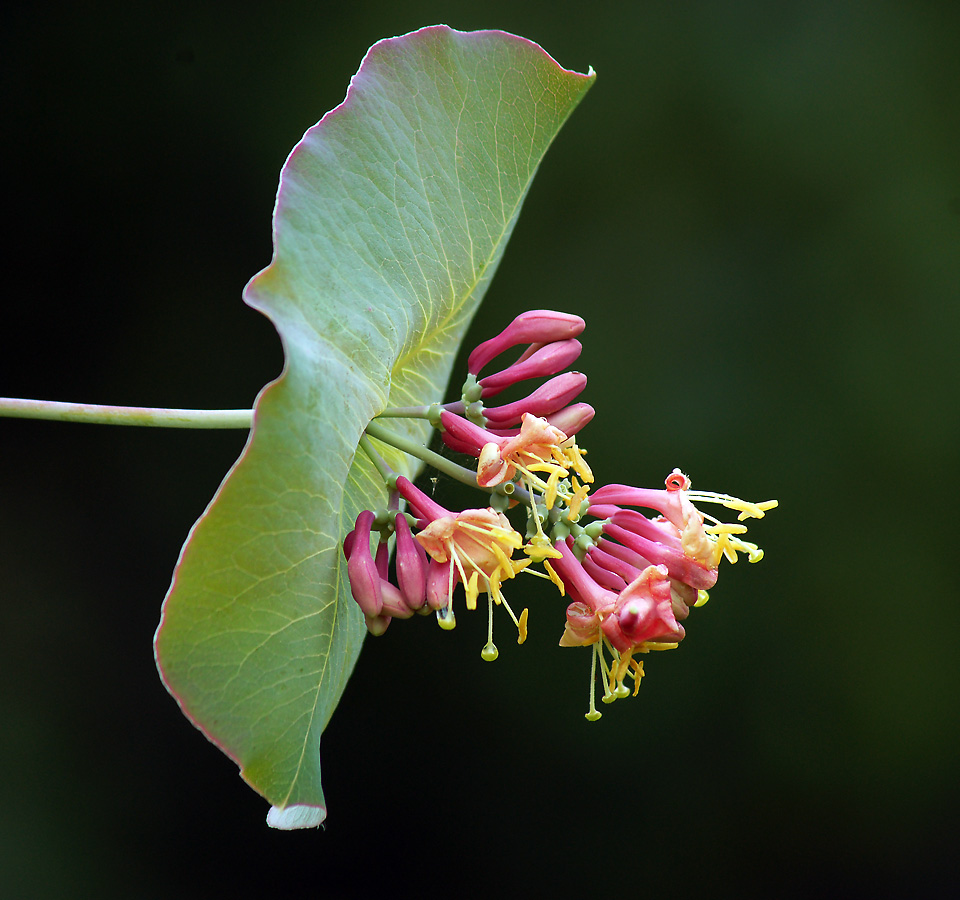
{"x":746,"y":509}
{"x":549,"y":467}
{"x":592,"y":713}
{"x":521,"y":623}
{"x":519,"y":565}
{"x":494,"y":533}
{"x":608,"y":695}
{"x":533,"y":482}
{"x":489,"y":653}
{"x":493,"y":586}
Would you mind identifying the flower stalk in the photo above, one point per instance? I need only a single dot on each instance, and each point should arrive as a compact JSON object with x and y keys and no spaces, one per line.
{"x":97,"y":414}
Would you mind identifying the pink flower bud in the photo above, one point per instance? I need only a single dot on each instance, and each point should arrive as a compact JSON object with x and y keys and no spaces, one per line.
{"x":438,"y":584}
{"x":628,"y":556}
{"x":362,"y":570}
{"x":539,"y":326}
{"x":411,"y":565}
{"x":348,"y":543}
{"x":394,"y":603}
{"x":462,"y":435}
{"x":573,"y":418}
{"x":544,"y":361}
{"x":382,"y":560}
{"x":569,"y":420}
{"x":377,"y":625}
{"x":546,"y":399}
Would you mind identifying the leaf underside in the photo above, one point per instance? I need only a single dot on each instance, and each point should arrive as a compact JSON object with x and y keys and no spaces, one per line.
{"x":391,"y":218}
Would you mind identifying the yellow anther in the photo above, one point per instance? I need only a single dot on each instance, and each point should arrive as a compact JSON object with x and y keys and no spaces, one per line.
{"x":505,"y":562}
{"x":657,"y":645}
{"x":555,"y":578}
{"x":472,"y":589}
{"x":522,"y":626}
{"x":624,"y":665}
{"x":540,"y":549}
{"x":637,"y":675}
{"x":725,"y":528}
{"x":574,"y":503}
{"x":550,"y":496}
{"x":702,"y":597}
{"x":574,"y":456}
{"x":749,"y":510}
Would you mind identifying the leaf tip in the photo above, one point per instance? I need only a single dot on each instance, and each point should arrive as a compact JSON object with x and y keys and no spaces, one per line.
{"x":300,"y":816}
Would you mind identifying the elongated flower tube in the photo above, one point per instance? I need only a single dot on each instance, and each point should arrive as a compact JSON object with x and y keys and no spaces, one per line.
{"x":631,"y":529}
{"x":541,"y":362}
{"x":538,"y":326}
{"x":704,"y":543}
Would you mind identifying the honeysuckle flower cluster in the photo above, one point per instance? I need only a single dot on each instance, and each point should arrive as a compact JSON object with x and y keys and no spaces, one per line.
{"x":630,"y":578}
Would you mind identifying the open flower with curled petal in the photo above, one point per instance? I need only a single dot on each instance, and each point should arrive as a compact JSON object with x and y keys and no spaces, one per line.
{"x":537,"y":445}
{"x":473,"y":547}
{"x":635,"y":618}
{"x":539,"y":448}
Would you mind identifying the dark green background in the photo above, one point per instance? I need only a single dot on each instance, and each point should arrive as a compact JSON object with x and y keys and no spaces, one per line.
{"x":757,"y":209}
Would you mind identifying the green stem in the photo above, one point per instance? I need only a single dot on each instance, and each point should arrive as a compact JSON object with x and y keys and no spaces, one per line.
{"x":441,"y":463}
{"x":406,"y":412}
{"x":386,"y":473}
{"x":95,"y":414}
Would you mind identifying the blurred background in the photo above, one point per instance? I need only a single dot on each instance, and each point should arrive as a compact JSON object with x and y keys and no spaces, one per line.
{"x":757,"y":209}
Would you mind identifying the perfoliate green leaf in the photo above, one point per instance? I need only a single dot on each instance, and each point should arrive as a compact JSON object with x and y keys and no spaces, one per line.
{"x":391,"y":217}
